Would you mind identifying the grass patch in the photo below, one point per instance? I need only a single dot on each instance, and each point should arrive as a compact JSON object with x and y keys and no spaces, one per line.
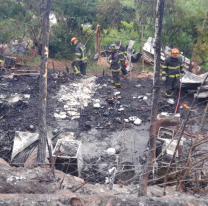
{"x":35,"y":62}
{"x":94,"y":67}
{"x":138,"y":67}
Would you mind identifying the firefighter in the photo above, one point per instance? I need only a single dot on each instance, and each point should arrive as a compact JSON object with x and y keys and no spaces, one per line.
{"x":80,"y":62}
{"x":115,"y":65}
{"x":172,"y":70}
{"x":123,"y":57}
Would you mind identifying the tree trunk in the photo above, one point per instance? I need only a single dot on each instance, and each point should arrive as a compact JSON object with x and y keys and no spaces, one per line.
{"x":45,"y":11}
{"x":156,"y":90}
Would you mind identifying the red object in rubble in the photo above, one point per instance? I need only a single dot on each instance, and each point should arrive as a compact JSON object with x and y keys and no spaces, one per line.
{"x":126,"y":62}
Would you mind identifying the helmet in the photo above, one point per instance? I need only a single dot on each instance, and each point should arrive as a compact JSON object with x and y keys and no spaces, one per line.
{"x":175,"y":51}
{"x":118,"y":43}
{"x":113,"y":46}
{"x":74,"y":39}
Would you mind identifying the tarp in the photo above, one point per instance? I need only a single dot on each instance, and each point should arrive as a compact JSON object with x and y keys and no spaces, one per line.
{"x":191,"y":81}
{"x":22,"y":140}
{"x":129,"y":53}
{"x":193,"y":78}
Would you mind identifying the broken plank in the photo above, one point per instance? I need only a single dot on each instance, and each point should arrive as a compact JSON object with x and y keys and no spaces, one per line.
{"x":34,"y":70}
{"x":203,"y":88}
{"x":202,"y":95}
{"x":24,"y":74}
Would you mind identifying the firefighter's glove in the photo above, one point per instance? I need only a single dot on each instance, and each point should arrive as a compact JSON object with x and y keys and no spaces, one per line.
{"x":164,"y":78}
{"x":110,"y":61}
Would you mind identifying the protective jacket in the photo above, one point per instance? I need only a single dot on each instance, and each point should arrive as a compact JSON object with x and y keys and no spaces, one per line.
{"x":172,"y":67}
{"x":122,"y":48}
{"x":80,"y":53}
{"x":115,"y":62}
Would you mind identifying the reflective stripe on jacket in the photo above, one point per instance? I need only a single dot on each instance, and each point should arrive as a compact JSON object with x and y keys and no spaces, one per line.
{"x":115,"y":64}
{"x":80,"y":52}
{"x":172,"y":67}
{"x":122,"y":48}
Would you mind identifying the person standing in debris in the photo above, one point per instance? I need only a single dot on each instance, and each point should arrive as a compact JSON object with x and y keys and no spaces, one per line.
{"x":123,"y":57}
{"x":80,"y":62}
{"x":21,"y":48}
{"x":115,"y":65}
{"x":172,"y":70}
{"x":14,"y":45}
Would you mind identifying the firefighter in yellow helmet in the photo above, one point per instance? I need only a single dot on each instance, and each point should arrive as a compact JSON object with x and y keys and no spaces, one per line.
{"x":79,"y":64}
{"x":172,"y":70}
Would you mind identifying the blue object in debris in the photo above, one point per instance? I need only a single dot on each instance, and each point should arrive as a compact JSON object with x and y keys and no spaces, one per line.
{"x":118,"y":103}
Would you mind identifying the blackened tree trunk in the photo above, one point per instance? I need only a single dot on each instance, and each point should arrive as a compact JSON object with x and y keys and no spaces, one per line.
{"x":153,"y":128}
{"x":45,"y":12}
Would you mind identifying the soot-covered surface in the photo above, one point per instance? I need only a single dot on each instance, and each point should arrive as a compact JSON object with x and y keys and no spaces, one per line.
{"x":98,"y":128}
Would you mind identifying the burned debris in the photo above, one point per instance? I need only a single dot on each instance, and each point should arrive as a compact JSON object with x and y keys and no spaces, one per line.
{"x":112,"y":126}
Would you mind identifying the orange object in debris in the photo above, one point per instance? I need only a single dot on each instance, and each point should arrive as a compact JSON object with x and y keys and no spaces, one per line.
{"x":126,"y":62}
{"x":185,"y":106}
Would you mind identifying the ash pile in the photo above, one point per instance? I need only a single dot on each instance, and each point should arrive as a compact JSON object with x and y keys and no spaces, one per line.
{"x":86,"y":109}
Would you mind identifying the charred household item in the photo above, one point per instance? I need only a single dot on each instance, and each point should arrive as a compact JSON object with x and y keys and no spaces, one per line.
{"x":68,"y":154}
{"x":9,"y":62}
{"x":168,"y":126}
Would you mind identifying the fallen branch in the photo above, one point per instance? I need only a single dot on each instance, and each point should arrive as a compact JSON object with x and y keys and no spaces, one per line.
{"x":82,"y":185}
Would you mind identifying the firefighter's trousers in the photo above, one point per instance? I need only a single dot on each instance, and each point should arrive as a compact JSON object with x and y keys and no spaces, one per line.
{"x":123,"y":68}
{"x":116,"y":78}
{"x":79,"y":67}
{"x":172,"y":84}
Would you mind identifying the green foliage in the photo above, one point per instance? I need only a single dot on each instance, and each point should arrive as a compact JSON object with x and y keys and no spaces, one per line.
{"x":110,"y":14}
{"x":180,"y":24}
{"x":119,"y":20}
{"x":15,"y":17}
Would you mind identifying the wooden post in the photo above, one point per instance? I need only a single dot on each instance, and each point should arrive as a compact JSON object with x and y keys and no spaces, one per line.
{"x":45,"y":12}
{"x":142,"y":35}
{"x":156,"y":89}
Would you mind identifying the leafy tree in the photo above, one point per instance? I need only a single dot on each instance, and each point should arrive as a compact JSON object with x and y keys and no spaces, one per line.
{"x":180,"y":24}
